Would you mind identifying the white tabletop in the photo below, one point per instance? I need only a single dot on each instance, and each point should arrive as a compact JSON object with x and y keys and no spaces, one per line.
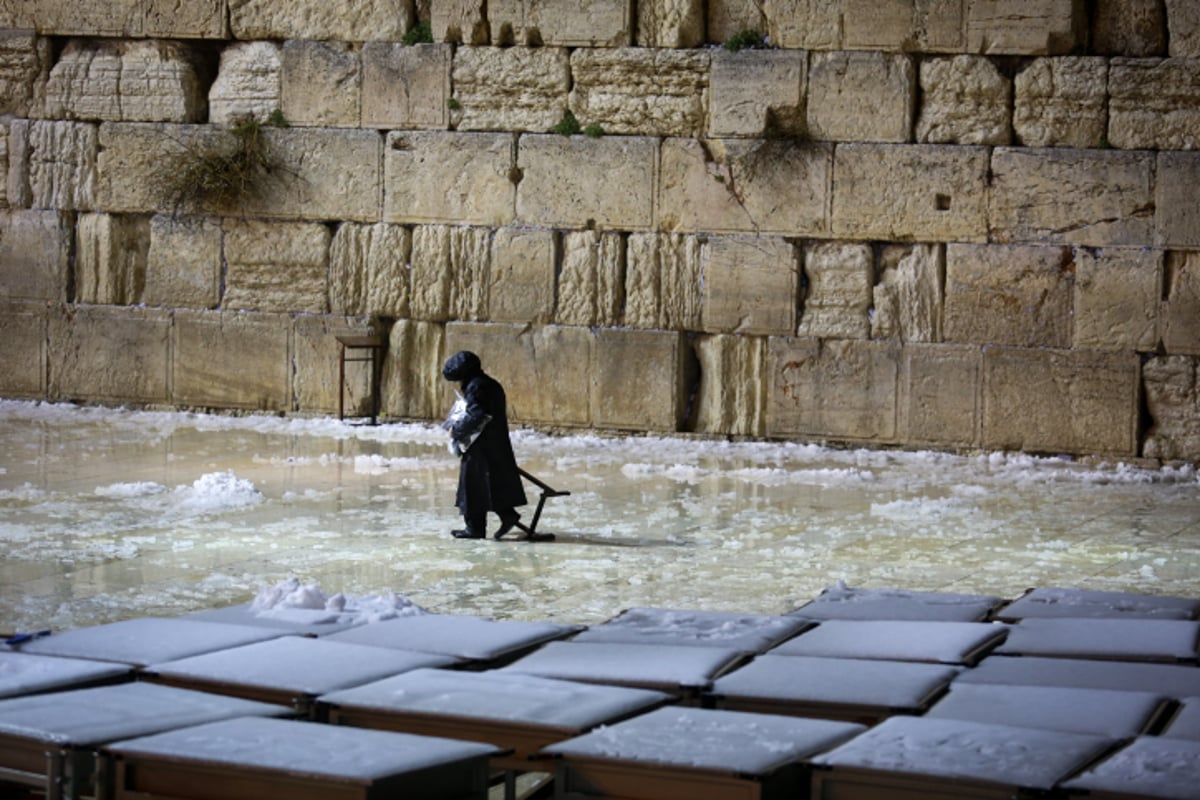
{"x":896,"y":640}
{"x":148,"y":640}
{"x":466,"y":637}
{"x":748,"y":633}
{"x":26,"y":673}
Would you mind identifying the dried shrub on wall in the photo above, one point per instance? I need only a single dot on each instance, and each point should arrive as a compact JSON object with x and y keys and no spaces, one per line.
{"x":222,"y":174}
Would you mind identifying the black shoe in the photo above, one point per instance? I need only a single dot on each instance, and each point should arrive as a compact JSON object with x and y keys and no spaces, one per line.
{"x":468,"y":534}
{"x":507,"y":523}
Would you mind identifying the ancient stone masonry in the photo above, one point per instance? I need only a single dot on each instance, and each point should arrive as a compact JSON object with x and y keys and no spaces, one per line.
{"x":961,"y":224}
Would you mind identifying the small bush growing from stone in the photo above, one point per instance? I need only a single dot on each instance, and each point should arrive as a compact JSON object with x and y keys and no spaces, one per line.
{"x":746,"y":39}
{"x":222,"y":175}
{"x":593,"y":131}
{"x":568,"y":125}
{"x":421,"y":34}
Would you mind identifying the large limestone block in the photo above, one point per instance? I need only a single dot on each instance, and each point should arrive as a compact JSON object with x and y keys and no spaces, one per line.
{"x":726,"y":18}
{"x":843,"y":390}
{"x":670,"y":23}
{"x":22,"y":349}
{"x":663,"y":281}
{"x":927,"y":26}
{"x":939,"y":396}
{"x":450,"y":273}
{"x":546,"y":370}
{"x":757,"y":93}
{"x":1062,"y":102}
{"x":804,"y":24}
{"x":641,"y":91}
{"x":276,"y":266}
{"x":318,"y":173}
{"x":522,"y":279}
{"x":412,"y":386}
{"x":1154,"y":104}
{"x":751,"y":285}
{"x":369,"y":270}
{"x":1060,"y":401}
{"x":35,"y":255}
{"x":1177,"y":216}
{"x":133,"y":81}
{"x":320,"y":84}
{"x":317,"y":374}
{"x":1172,"y":387}
{"x":1014,"y":295}
{"x":591,"y":280}
{"x":1117,"y":293}
{"x":772,"y":187}
{"x":232,"y":360}
{"x":1088,"y":197}
{"x":964,"y":100}
{"x":52,"y":165}
{"x":195,"y":19}
{"x":25,"y":59}
{"x":909,"y":297}
{"x":1183,"y":28}
{"x":1025,"y":27}
{"x":115,"y":355}
{"x":561,"y":23}
{"x":861,"y":96}
{"x":657,"y":363}
{"x":731,"y":396}
{"x":361,"y":21}
{"x":464,"y":178}
{"x":1181,"y":309}
{"x":582,"y":182}
{"x":459,"y":21}
{"x":183,"y":265}
{"x":110,"y":258}
{"x":406,"y":87}
{"x":930,"y":193}
{"x":510,"y":88}
{"x":1134,"y":28}
{"x":249,"y":82}
{"x":838,"y":299}
{"x":74,"y":17}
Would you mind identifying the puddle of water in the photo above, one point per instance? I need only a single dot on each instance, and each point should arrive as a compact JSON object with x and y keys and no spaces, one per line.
{"x":110,"y":514}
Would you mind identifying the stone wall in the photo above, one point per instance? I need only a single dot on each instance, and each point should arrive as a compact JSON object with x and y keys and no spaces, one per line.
{"x":957,"y":224}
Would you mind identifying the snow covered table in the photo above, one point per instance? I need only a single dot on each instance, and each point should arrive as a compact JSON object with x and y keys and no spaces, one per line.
{"x":1150,"y":767}
{"x":699,"y":754}
{"x":1166,"y":640}
{"x":680,"y":670}
{"x":748,"y":633}
{"x":518,"y":713}
{"x":1054,"y":602}
{"x":148,"y":640}
{"x":251,"y":758}
{"x":913,"y":758}
{"x":483,"y":641}
{"x":49,"y":740}
{"x":1107,"y":712}
{"x":852,"y":690}
{"x":845,"y":602}
{"x":290,"y":670}
{"x":897,"y":640}
{"x":1172,"y":680}
{"x":25,"y":673}
{"x":1186,"y":722}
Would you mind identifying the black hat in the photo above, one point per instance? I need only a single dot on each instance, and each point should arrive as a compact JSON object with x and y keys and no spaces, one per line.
{"x":462,"y":366}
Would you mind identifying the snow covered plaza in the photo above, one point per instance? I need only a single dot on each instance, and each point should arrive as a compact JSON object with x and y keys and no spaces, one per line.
{"x":114,"y":517}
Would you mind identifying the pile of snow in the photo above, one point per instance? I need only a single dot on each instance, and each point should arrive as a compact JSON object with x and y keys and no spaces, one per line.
{"x":217,"y":491}
{"x":307,"y":603}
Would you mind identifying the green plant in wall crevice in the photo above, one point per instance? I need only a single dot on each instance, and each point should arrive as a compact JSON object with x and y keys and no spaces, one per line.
{"x":221,"y":173}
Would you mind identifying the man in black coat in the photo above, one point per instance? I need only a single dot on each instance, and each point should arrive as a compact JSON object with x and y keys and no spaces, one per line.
{"x":488,"y":479}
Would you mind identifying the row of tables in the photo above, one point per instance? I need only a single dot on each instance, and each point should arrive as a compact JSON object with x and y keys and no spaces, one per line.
{"x":857,"y":695}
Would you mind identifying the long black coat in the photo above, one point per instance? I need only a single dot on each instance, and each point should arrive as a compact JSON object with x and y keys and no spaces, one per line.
{"x":487,"y":477}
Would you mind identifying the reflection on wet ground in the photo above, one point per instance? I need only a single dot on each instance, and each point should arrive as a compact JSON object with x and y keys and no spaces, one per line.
{"x":108,"y":514}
